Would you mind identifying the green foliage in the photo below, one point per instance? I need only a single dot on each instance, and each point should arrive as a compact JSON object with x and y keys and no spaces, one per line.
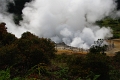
{"x":5,"y":75}
{"x":62,"y":73}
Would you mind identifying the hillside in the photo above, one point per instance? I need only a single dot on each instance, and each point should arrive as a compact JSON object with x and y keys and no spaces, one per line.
{"x":114,"y":24}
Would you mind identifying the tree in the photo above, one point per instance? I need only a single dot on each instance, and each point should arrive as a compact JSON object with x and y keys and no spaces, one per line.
{"x":5,"y":37}
{"x":25,"y":52}
{"x":3,"y":29}
{"x":98,"y":47}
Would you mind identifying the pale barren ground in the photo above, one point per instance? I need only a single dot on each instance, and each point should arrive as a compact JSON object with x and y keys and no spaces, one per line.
{"x":110,"y":52}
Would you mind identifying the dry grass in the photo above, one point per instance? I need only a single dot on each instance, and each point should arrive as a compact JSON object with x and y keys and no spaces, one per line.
{"x":69,"y":52}
{"x":111,"y":52}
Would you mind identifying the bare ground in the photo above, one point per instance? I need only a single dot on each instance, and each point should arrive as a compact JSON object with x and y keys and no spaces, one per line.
{"x":116,"y":48}
{"x":110,"y":52}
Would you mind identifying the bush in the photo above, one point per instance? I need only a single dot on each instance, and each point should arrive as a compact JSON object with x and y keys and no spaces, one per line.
{"x":7,"y":55}
{"x":8,"y":39}
{"x":98,"y":64}
{"x":89,"y":66}
{"x":76,"y":67}
{"x":25,"y":52}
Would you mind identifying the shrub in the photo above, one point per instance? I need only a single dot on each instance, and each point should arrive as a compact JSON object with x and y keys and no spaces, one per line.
{"x":76,"y":67}
{"x":8,"y":55}
{"x":25,"y":52}
{"x":98,"y":64}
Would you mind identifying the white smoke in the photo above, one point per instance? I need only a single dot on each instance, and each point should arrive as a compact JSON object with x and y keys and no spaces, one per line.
{"x":3,"y":4}
{"x":8,"y":19}
{"x":69,"y":21}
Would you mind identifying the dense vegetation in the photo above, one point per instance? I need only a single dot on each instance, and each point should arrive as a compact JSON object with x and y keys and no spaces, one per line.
{"x":25,"y":52}
{"x":32,"y":58}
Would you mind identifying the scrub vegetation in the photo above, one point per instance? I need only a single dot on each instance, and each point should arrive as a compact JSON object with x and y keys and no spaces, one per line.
{"x":34,"y":58}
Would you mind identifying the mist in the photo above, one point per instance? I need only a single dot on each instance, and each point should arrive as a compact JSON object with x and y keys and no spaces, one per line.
{"x":68,"y":21}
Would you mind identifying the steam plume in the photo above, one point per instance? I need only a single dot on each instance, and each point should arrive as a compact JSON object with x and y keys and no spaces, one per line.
{"x":69,"y":21}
